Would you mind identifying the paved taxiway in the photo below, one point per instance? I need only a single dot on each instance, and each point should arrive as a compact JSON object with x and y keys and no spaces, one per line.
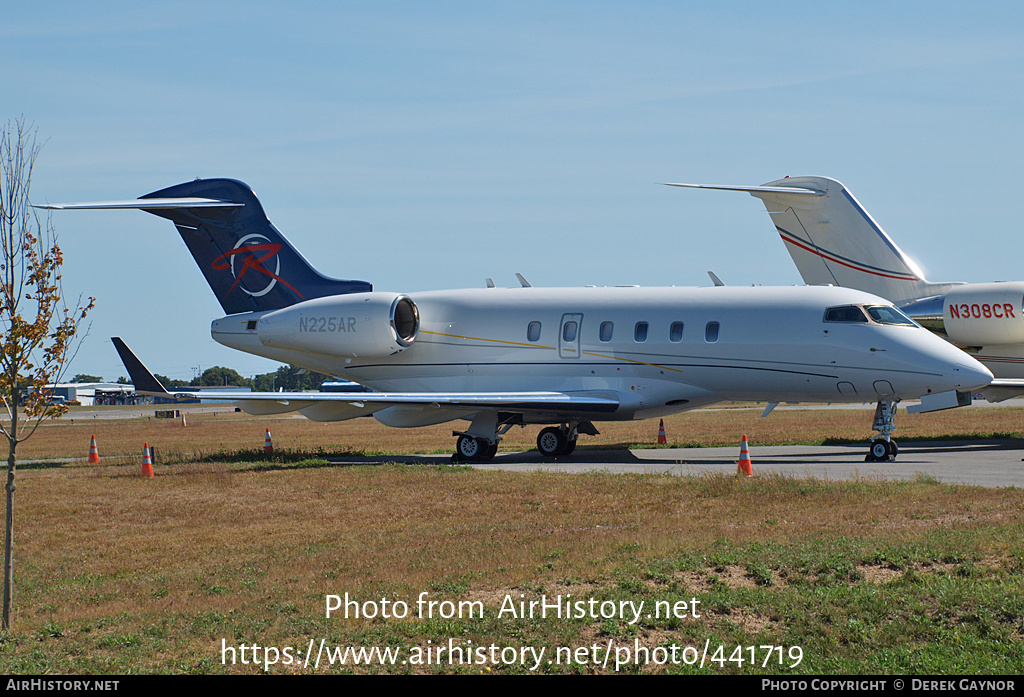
{"x":991,"y":463}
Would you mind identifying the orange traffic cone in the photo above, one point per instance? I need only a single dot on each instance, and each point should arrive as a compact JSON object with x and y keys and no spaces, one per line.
{"x":744,"y":466}
{"x":268,"y":445}
{"x":147,"y":461}
{"x":662,"y":440}
{"x":94,"y":452}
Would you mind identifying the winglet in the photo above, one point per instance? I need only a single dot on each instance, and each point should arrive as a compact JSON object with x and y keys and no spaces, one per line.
{"x":145,"y":382}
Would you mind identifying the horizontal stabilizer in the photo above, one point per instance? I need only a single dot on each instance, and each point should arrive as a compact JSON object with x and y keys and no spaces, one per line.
{"x":152,"y":204}
{"x":757,"y":189}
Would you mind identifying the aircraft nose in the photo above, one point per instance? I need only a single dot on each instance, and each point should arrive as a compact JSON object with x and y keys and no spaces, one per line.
{"x":958,"y":370}
{"x":971,"y":375}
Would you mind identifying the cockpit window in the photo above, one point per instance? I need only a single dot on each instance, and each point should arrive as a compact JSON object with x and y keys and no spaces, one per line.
{"x":846,"y":313}
{"x":864,"y":314}
{"x":887,"y":314}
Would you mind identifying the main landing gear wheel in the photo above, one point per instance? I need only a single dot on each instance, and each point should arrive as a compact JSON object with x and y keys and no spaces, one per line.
{"x":470,"y":449}
{"x":553,"y":442}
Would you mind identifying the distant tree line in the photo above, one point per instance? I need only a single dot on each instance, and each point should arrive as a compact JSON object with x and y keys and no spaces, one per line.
{"x":287,"y":377}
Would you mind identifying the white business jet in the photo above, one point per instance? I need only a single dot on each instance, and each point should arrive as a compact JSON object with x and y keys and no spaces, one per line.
{"x":569,"y":357}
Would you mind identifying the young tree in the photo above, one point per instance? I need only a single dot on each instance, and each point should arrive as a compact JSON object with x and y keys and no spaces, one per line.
{"x":39,"y":327}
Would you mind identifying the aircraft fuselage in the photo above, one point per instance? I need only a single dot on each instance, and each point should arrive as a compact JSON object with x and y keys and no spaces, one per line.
{"x":661,"y":350}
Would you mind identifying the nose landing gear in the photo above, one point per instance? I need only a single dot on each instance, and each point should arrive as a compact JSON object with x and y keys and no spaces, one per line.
{"x":883,"y":448}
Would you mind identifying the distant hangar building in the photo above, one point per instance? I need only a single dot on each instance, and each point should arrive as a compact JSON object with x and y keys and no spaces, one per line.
{"x":90,"y":394}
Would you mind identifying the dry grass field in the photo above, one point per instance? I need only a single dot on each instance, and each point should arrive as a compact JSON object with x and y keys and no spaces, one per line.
{"x":117,"y":574}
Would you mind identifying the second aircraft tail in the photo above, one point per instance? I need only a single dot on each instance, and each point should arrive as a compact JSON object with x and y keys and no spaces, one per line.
{"x":834,"y":241}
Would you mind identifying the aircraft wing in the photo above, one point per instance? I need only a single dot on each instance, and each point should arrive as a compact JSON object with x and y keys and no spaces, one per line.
{"x":1001,"y":389}
{"x":338,"y":406}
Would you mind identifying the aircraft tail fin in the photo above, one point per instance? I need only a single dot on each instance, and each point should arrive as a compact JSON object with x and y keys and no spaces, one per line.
{"x":248,"y":263}
{"x":834,"y":241}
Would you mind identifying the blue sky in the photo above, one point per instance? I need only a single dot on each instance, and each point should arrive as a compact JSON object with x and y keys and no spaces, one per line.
{"x":421,"y":146}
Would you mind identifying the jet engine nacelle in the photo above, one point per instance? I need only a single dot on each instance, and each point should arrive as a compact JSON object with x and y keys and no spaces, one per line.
{"x":358,"y":325}
{"x":984,"y":314}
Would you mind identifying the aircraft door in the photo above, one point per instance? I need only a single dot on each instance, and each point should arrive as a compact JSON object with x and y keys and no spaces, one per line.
{"x":569,"y":335}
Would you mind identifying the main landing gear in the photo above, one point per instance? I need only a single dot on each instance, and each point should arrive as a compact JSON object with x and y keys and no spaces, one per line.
{"x":478,"y":445}
{"x":480,"y":442}
{"x":883,"y":447}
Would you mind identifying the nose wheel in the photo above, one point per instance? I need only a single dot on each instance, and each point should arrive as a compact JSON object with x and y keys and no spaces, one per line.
{"x":882,"y":451}
{"x":883,"y":448}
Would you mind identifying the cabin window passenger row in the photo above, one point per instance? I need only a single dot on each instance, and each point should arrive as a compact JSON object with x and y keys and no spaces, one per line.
{"x":675,"y":331}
